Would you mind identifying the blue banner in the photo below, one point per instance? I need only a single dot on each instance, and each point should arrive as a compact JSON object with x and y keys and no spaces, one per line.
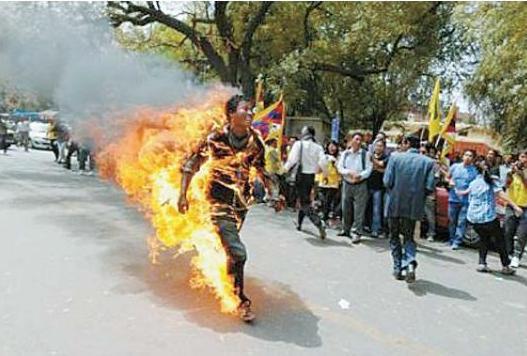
{"x":335,"y":128}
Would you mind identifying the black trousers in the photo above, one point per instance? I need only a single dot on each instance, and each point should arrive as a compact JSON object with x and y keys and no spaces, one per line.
{"x":489,"y":232}
{"x":229,"y":231}
{"x":304,"y":185}
{"x":330,"y":201}
{"x":54,"y":148}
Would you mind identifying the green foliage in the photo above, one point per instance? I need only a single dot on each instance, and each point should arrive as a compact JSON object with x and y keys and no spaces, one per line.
{"x":498,"y":84}
{"x":365,"y":61}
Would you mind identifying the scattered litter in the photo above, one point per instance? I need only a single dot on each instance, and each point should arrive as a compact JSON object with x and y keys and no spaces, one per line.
{"x":344,"y":304}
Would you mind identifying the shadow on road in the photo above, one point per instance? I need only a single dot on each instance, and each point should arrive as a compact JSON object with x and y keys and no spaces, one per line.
{"x":515,"y":278}
{"x":282,"y":316}
{"x":438,"y":254}
{"x":316,"y":241}
{"x":380,"y":245}
{"x":422,"y":287}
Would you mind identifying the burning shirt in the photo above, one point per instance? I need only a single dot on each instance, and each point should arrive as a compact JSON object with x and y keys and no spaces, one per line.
{"x":229,"y":186}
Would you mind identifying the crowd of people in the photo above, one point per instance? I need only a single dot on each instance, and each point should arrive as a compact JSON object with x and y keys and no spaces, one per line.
{"x":363,"y":188}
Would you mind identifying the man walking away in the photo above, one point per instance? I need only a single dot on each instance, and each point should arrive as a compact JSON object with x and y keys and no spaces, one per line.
{"x":409,"y":178}
{"x":307,"y":157}
{"x":355,"y":166}
{"x":23,"y":133}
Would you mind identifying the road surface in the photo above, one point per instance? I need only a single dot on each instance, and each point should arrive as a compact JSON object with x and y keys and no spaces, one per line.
{"x":75,"y":279}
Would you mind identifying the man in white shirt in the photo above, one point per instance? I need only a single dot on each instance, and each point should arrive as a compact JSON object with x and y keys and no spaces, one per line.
{"x":23,"y":133}
{"x":355,"y":166}
{"x":307,"y":156}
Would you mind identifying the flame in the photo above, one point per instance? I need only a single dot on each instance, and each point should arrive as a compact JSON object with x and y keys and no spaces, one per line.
{"x":146,"y":162}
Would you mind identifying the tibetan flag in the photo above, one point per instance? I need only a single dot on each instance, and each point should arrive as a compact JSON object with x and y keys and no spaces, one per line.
{"x":434,"y":113}
{"x":270,"y":121}
{"x":449,"y":132}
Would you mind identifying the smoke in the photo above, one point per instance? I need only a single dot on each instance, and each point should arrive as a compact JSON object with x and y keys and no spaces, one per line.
{"x":66,"y":52}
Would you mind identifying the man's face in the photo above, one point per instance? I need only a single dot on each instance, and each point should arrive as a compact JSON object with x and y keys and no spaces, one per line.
{"x":491,"y":156}
{"x":405,"y":145}
{"x":379,"y":147}
{"x":432,"y":153}
{"x":468,"y":157}
{"x":242,"y":117}
{"x":355,"y":142}
{"x":523,"y":159}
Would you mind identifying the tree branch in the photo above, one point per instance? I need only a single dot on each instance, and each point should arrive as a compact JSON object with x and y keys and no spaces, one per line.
{"x":130,"y":12}
{"x":223,"y":23}
{"x":307,"y":33}
{"x":359,"y":73}
{"x":253,"y":25}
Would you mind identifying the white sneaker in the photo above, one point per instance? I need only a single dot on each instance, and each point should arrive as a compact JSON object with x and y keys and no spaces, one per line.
{"x":515,"y":262}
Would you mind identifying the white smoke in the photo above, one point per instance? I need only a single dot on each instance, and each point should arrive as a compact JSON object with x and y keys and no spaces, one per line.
{"x":66,"y":52}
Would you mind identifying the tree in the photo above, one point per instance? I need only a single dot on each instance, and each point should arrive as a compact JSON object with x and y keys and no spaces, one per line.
{"x":230,"y":56}
{"x":497,"y":85}
{"x":362,"y":60}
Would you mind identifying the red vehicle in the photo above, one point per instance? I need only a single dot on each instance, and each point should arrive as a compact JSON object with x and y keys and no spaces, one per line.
{"x":471,"y":238}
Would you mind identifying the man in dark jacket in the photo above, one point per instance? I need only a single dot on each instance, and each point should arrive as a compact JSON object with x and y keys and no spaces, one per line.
{"x":409,"y":178}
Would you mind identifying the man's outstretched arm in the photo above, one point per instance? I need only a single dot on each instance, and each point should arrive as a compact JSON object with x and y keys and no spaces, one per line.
{"x":189,"y":168}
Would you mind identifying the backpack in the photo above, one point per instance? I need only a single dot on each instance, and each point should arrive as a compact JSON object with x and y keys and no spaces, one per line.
{"x":362,"y":157}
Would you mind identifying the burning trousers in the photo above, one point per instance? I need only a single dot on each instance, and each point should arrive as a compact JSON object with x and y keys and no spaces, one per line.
{"x":228,"y":230}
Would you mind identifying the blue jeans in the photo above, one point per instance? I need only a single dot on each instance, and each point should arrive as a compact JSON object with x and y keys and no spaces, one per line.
{"x":376,"y":224}
{"x":457,"y":222}
{"x":404,"y":254}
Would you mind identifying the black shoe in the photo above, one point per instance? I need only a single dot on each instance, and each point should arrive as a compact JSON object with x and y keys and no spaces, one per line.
{"x":297,"y":226}
{"x":322,"y":232}
{"x":245,"y":312}
{"x":356,"y":239}
{"x":410,"y":274}
{"x":398,"y":275}
{"x":344,"y":233}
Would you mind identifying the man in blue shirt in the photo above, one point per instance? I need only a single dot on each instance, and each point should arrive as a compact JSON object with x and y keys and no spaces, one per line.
{"x":460,"y":176}
{"x":409,"y":178}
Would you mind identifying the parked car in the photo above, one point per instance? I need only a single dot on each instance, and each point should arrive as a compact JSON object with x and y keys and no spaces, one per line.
{"x":471,"y":238}
{"x":39,"y":135}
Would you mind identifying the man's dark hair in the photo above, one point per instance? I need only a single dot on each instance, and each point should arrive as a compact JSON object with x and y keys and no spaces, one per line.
{"x":413,"y":141}
{"x":311,"y":130}
{"x":430,"y":146}
{"x":353,"y":134}
{"x":496,"y":153}
{"x":232,"y":104}
{"x":471,"y":151}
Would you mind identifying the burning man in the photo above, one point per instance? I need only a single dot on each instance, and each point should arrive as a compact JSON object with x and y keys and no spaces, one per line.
{"x":233,"y":150}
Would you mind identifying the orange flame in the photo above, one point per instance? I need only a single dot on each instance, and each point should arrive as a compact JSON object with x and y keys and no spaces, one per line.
{"x":146,"y":162}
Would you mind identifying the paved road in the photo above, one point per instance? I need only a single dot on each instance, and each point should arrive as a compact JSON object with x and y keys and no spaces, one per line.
{"x":75,"y":280}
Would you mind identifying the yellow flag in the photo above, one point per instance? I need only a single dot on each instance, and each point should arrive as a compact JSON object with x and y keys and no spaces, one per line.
{"x":448,"y":132}
{"x":434,"y":114}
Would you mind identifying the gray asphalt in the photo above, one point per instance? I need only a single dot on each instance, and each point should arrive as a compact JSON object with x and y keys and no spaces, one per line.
{"x":75,"y":279}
